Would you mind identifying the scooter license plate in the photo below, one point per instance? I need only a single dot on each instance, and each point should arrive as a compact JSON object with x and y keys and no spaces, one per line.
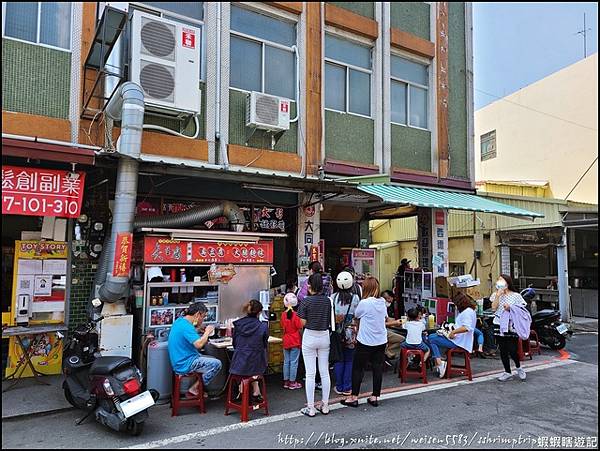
{"x":562,"y":329}
{"x":137,"y":404}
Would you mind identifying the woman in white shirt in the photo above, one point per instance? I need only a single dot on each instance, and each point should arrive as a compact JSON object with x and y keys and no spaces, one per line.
{"x":371,"y":341}
{"x":461,"y":336}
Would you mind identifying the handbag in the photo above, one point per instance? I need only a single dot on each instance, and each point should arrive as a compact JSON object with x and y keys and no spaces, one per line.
{"x":336,"y":347}
{"x":348,"y":331}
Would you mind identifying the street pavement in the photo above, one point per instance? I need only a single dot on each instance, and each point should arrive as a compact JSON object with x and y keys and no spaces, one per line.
{"x":557,"y":405}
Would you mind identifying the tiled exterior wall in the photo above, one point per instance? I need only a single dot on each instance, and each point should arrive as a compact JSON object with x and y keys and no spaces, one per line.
{"x":39,"y":83}
{"x":412,"y":17}
{"x":411,"y":148}
{"x":82,"y":277}
{"x":349,"y":137}
{"x":366,"y":9}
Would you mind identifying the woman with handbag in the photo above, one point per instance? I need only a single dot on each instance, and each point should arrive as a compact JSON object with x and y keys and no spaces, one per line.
{"x":315,"y":313}
{"x":371,"y":341}
{"x":345,"y":302}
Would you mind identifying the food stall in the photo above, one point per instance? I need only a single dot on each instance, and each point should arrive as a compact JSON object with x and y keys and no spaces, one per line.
{"x":174,"y":268}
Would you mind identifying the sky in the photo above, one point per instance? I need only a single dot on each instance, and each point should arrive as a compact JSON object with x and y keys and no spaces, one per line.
{"x":516,"y":44}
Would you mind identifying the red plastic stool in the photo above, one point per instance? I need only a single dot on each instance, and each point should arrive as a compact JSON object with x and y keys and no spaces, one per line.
{"x":534,"y":347}
{"x":459,"y":369}
{"x":244,"y":407}
{"x":177,"y":402}
{"x":524,"y":349}
{"x":404,"y":371}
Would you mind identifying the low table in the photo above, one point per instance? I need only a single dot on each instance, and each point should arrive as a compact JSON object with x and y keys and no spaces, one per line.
{"x":25,"y":360}
{"x":228,"y":342}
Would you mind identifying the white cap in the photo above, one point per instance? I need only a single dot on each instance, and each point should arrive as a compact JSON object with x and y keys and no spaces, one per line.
{"x":290,"y":300}
{"x":345,"y":280}
{"x":153,"y":272}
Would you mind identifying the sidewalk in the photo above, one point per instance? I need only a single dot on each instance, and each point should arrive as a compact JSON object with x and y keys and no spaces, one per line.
{"x":580,"y":324}
{"x":30,"y":398}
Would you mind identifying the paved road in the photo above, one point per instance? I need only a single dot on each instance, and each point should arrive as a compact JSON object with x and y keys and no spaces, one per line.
{"x":556,"y":401}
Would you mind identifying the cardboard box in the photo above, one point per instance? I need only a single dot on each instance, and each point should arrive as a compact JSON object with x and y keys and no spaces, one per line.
{"x":473,"y":292}
{"x":443,"y":289}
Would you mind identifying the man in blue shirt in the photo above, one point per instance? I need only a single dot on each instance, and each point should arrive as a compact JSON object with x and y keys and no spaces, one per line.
{"x":185,"y":343}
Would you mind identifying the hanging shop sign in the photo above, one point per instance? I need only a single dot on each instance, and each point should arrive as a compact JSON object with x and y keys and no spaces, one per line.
{"x":164,"y":250}
{"x":123,"y":254}
{"x":41,"y":192}
{"x":221,"y":274}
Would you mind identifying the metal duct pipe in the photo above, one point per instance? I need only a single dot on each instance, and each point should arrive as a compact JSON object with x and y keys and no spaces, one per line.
{"x":127,"y":105}
{"x":195,"y":216}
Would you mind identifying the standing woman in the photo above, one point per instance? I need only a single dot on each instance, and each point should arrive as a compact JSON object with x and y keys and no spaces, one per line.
{"x":315,"y":314}
{"x":502,"y":299}
{"x":371,"y":341}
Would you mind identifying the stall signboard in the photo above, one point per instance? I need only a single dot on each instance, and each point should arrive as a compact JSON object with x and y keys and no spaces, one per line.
{"x":41,"y":192}
{"x":161,"y":250}
{"x":123,"y":254}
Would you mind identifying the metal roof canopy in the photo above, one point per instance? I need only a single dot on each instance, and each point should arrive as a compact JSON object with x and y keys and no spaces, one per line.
{"x":449,"y":200}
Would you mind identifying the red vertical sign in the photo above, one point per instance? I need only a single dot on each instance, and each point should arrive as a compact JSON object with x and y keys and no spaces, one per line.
{"x":123,"y":254}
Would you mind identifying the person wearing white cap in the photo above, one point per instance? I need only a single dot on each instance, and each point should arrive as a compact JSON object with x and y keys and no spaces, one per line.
{"x":291,"y":325}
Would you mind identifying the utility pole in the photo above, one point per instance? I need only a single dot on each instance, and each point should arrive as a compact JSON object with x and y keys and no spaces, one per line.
{"x":584,"y":34}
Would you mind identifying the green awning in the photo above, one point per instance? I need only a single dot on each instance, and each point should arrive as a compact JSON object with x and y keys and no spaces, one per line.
{"x":449,"y":200}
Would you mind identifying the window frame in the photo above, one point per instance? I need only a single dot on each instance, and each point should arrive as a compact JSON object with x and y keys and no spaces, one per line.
{"x":165,"y":14}
{"x":39,"y":16}
{"x":264,"y":42}
{"x":488,"y":138}
{"x":347,"y":67}
{"x":408,"y":84}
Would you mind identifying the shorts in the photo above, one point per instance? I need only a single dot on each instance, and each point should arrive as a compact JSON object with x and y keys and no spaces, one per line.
{"x":421,"y":346}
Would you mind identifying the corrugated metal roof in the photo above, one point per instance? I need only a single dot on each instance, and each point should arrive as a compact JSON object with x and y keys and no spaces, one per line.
{"x":451,"y":200}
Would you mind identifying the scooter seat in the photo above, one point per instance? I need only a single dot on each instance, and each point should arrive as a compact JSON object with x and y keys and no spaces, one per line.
{"x":106,"y":365}
{"x":546,"y":313}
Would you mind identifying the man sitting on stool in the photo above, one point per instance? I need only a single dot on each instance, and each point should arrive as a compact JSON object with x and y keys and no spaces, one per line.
{"x":184,"y":346}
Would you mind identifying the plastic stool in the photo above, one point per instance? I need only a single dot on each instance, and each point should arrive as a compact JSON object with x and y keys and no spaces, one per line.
{"x":245,"y":406}
{"x":534,"y":347}
{"x":459,"y":369}
{"x":177,"y":402}
{"x":524,"y":349}
{"x":404,"y":371}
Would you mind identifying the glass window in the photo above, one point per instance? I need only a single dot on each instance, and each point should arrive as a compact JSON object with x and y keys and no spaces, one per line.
{"x":51,"y":15}
{"x":347,"y":52}
{"x":360,"y":92}
{"x":335,"y":87}
{"x":21,"y":20}
{"x":398,"y":102}
{"x":246,"y":64}
{"x":278,"y":81}
{"x":418,"y":107}
{"x":410,"y":71}
{"x":488,"y":145}
{"x":193,"y":10}
{"x":262,"y":26}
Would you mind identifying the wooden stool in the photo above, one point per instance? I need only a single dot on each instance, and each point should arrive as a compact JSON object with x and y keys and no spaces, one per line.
{"x":524,"y":349}
{"x":244,"y":407}
{"x":534,"y":347}
{"x":177,"y":402}
{"x":404,"y":371}
{"x":459,"y":369}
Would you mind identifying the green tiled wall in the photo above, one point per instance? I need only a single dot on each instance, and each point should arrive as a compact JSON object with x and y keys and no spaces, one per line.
{"x":349,"y":137}
{"x":366,"y":9}
{"x":260,"y":139}
{"x":35,"y":79}
{"x":457,"y":117}
{"x":411,"y":148}
{"x":82,"y":272}
{"x":174,"y":124}
{"x":412,"y":17}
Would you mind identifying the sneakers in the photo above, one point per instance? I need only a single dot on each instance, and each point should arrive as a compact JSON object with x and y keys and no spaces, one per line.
{"x":505,"y":377}
{"x":286,"y":384}
{"x":339,"y":392}
{"x":442,"y":369}
{"x":521,"y":374}
{"x":294,"y":385}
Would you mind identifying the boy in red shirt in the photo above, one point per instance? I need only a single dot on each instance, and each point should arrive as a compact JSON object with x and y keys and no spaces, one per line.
{"x":291,"y":325}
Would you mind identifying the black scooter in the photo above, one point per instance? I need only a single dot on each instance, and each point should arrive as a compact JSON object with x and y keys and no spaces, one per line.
{"x":108,"y":387}
{"x":547,"y":323}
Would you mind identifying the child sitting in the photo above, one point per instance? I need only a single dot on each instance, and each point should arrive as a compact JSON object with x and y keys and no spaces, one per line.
{"x":415,"y":328}
{"x":291,"y":325}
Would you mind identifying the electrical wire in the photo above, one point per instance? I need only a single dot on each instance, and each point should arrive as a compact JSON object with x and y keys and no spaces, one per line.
{"x":504,"y":99}
{"x":581,"y":178}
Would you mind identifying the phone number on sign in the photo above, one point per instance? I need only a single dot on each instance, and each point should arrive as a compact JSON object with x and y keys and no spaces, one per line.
{"x":42,"y":206}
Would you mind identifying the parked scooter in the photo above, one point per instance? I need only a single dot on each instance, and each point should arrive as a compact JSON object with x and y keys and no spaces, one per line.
{"x":547,"y":324}
{"x":108,"y":387}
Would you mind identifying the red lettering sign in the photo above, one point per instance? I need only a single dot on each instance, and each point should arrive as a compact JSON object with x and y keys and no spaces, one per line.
{"x":188,"y":39}
{"x":41,"y":192}
{"x":314,"y":253}
{"x":439,"y":218}
{"x":123,"y":254}
{"x":164,"y":250}
{"x":285,"y":107}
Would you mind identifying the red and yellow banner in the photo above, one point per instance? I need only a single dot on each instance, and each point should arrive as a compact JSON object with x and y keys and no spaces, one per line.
{"x":123,"y":254}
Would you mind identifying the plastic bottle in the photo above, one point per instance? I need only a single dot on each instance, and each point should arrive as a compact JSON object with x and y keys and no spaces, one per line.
{"x":182,"y":275}
{"x":431,"y":321}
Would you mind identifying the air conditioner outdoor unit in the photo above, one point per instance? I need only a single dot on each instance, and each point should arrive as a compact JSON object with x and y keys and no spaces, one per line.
{"x":265,"y":112}
{"x":165,"y":62}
